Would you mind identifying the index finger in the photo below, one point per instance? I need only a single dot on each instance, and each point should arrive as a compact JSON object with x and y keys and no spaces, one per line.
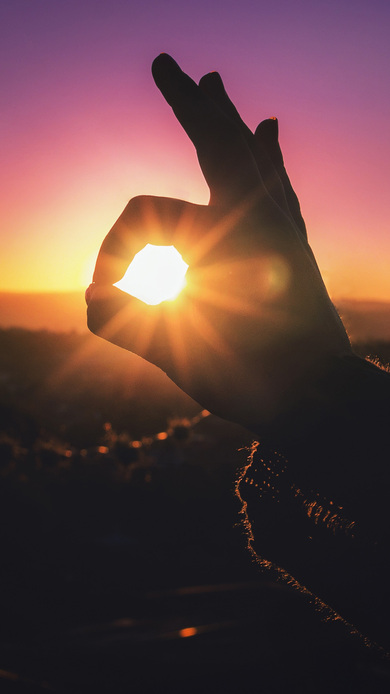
{"x":147,"y":219}
{"x":227,"y":162}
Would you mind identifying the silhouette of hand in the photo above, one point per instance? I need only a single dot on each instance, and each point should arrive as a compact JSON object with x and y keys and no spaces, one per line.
{"x":254,"y":329}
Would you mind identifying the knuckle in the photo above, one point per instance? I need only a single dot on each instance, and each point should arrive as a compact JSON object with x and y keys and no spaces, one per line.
{"x":137,"y":205}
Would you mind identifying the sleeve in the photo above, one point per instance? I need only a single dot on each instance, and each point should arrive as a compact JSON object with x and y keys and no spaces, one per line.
{"x":319,"y":511}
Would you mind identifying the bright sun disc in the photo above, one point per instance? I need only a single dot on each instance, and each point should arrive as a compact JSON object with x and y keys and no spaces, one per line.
{"x":157,"y":273}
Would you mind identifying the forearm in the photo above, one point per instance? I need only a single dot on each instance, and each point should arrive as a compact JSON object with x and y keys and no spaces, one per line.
{"x":320,"y":510}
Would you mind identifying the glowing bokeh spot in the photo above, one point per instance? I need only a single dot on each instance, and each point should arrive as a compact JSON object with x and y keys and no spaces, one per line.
{"x":279,"y":276}
{"x":157,"y":273}
{"x":188,"y":631}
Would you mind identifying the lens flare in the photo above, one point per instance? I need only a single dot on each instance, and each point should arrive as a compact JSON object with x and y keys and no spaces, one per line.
{"x":156,"y":274}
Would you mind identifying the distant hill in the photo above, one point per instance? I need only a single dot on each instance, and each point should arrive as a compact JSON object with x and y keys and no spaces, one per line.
{"x":71,"y":384}
{"x":65,"y":311}
{"x":57,"y":311}
{"x":365,"y":320}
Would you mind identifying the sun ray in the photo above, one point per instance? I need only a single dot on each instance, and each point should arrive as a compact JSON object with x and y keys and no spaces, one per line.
{"x":131,"y":327}
{"x":177,"y":343}
{"x":210,"y":335}
{"x":218,"y":297}
{"x":212,"y":236}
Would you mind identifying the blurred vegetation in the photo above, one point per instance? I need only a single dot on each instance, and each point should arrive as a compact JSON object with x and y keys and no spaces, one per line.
{"x":112,"y":483}
{"x":102,"y":480}
{"x":98,"y":448}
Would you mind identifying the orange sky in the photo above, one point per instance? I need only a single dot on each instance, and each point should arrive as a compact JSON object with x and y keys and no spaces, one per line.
{"x":84,"y":128}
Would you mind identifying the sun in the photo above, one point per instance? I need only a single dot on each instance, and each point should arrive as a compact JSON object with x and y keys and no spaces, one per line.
{"x":156,"y":274}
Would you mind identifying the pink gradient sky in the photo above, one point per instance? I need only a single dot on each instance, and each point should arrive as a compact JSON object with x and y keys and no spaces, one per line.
{"x":83,"y":128}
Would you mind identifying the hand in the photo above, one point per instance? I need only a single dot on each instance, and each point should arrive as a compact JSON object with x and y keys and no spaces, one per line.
{"x":254,"y":328}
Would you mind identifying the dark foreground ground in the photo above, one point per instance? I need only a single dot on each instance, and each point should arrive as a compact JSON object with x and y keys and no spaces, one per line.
{"x":123,"y":563}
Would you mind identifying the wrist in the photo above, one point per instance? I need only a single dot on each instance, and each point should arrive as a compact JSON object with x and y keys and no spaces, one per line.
{"x":344,"y":404}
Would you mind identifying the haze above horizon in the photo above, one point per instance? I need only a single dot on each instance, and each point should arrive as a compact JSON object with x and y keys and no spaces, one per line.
{"x":66,"y":312}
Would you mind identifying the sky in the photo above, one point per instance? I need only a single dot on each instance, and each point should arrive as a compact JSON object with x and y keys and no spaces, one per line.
{"x":84,"y":129}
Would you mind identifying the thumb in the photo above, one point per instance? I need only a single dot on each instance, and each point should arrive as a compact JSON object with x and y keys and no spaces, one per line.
{"x":129,"y":323}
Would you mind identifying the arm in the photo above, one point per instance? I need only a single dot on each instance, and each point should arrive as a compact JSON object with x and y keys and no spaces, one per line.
{"x":319,"y":509}
{"x":255,"y":339}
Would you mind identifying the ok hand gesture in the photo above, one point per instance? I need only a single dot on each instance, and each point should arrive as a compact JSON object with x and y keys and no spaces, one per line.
{"x":254,"y":328}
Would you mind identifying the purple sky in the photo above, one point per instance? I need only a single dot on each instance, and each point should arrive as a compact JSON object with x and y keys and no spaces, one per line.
{"x":83,"y":127}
